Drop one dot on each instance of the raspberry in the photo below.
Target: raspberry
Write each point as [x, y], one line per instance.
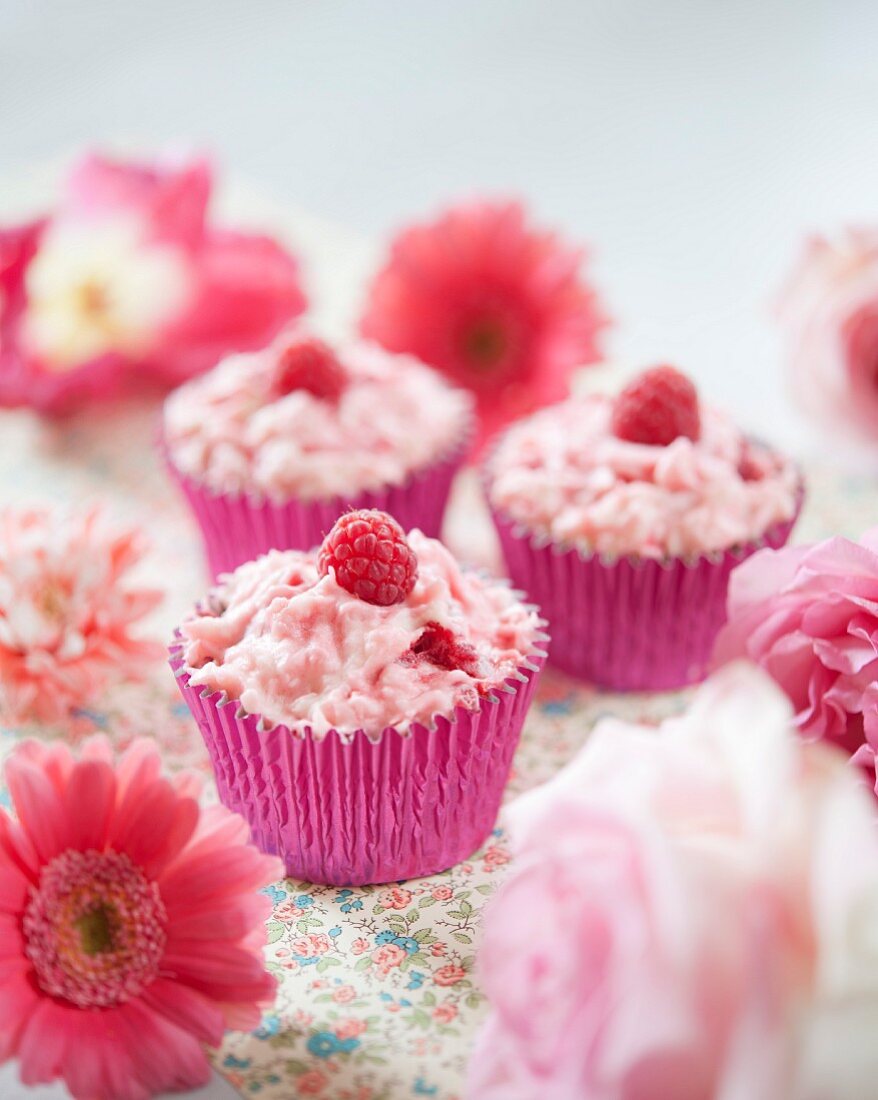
[370, 556]
[657, 407]
[311, 365]
[443, 648]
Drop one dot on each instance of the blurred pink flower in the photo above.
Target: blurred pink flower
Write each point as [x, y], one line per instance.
[344, 993]
[125, 286]
[498, 306]
[710, 888]
[829, 310]
[349, 1029]
[311, 1083]
[131, 923]
[809, 616]
[310, 946]
[66, 610]
[359, 945]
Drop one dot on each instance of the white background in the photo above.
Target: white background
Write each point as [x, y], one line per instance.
[691, 143]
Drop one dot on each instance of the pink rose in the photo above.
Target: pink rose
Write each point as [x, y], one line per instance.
[395, 898]
[830, 312]
[438, 949]
[442, 893]
[809, 616]
[349, 1029]
[344, 993]
[309, 946]
[387, 957]
[708, 883]
[449, 975]
[359, 946]
[444, 1014]
[127, 285]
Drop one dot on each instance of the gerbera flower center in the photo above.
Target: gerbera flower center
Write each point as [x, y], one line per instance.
[94, 929]
[489, 342]
[485, 342]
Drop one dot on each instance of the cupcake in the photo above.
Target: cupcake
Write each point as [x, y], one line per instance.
[270, 448]
[623, 518]
[361, 703]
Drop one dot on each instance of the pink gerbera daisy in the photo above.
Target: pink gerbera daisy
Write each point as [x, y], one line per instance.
[66, 610]
[131, 925]
[496, 305]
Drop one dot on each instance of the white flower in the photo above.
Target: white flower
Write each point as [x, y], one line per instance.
[98, 289]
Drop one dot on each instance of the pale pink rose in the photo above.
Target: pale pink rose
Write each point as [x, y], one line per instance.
[809, 616]
[442, 893]
[313, 944]
[387, 957]
[344, 993]
[710, 891]
[449, 975]
[126, 286]
[359, 946]
[349, 1029]
[67, 609]
[397, 897]
[311, 1083]
[444, 1014]
[830, 313]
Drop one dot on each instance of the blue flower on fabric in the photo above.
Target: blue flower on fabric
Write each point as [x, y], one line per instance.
[269, 1026]
[231, 1062]
[385, 937]
[334, 932]
[323, 1044]
[304, 901]
[275, 893]
[416, 980]
[421, 1088]
[407, 943]
[350, 906]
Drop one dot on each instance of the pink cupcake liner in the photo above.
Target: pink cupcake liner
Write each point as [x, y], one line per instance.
[627, 624]
[238, 527]
[347, 810]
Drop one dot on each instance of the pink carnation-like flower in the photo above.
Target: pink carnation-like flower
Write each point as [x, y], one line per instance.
[809, 616]
[498, 306]
[125, 286]
[829, 310]
[66, 610]
[350, 1028]
[386, 957]
[131, 927]
[710, 889]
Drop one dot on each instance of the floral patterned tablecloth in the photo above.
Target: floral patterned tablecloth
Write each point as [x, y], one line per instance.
[378, 995]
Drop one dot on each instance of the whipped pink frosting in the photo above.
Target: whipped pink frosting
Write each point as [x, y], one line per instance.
[563, 474]
[395, 417]
[299, 650]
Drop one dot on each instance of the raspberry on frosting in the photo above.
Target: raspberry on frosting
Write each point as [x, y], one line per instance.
[658, 407]
[293, 646]
[368, 552]
[444, 649]
[309, 364]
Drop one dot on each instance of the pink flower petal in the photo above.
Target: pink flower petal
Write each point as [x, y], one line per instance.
[186, 1009]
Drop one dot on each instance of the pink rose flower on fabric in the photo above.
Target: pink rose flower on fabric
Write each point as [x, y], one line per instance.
[829, 310]
[131, 923]
[126, 286]
[67, 609]
[386, 957]
[712, 891]
[397, 897]
[809, 616]
[500, 307]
